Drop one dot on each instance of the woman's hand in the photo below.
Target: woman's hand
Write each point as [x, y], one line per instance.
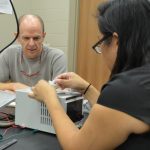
[71, 80]
[42, 90]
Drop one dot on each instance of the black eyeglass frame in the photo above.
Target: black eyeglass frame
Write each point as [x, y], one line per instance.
[99, 43]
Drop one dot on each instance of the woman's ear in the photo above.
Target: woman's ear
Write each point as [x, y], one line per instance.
[115, 38]
[115, 42]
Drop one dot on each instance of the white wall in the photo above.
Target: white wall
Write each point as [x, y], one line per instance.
[60, 26]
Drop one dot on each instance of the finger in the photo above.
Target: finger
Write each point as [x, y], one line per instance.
[31, 94]
[62, 76]
[33, 88]
[63, 83]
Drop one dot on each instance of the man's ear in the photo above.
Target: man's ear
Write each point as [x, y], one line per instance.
[44, 34]
[15, 33]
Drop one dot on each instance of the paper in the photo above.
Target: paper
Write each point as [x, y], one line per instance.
[6, 97]
[5, 7]
[53, 84]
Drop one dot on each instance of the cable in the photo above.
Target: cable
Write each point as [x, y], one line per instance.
[4, 116]
[16, 18]
[6, 119]
[6, 123]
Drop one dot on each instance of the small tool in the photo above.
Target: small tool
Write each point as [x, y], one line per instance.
[6, 145]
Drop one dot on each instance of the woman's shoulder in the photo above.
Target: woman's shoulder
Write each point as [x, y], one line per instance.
[130, 84]
[138, 76]
[129, 92]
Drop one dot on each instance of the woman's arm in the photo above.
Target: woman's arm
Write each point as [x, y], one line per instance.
[92, 95]
[104, 128]
[74, 81]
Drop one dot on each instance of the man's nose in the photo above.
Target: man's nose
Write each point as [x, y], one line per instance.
[31, 41]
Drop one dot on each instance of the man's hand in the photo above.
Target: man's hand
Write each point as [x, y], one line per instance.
[17, 86]
[12, 86]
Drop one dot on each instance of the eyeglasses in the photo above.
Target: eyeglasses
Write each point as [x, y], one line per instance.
[97, 47]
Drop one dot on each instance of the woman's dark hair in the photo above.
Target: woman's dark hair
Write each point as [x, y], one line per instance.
[130, 19]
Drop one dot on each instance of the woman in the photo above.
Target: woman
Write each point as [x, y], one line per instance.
[120, 115]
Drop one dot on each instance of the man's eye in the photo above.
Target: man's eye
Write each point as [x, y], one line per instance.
[25, 38]
[37, 38]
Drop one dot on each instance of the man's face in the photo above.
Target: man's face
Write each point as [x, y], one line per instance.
[31, 38]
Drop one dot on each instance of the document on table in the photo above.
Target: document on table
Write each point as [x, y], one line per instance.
[6, 97]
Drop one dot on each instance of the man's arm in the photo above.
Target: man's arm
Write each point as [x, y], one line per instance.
[6, 60]
[12, 86]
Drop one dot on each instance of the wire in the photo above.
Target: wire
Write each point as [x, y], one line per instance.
[4, 116]
[6, 120]
[16, 18]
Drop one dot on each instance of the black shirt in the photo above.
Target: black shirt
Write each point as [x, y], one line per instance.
[129, 92]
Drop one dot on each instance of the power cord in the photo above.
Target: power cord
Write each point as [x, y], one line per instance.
[6, 120]
[6, 123]
[17, 27]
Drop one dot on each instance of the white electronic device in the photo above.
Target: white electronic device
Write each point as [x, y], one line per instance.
[34, 114]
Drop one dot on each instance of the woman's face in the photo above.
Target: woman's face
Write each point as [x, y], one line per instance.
[109, 50]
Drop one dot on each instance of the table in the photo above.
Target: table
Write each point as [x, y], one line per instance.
[27, 140]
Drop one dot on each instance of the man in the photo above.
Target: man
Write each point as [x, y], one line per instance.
[27, 63]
